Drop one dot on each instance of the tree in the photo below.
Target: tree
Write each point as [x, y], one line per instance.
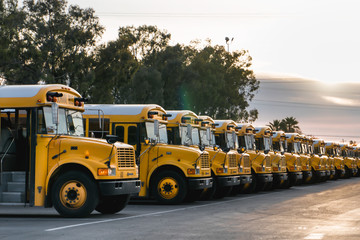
[288, 124]
[219, 84]
[275, 125]
[54, 45]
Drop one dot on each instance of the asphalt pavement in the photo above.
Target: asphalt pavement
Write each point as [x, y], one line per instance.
[328, 210]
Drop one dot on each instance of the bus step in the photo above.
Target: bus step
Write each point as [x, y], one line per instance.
[13, 197]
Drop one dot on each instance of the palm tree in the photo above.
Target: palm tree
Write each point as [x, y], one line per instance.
[275, 125]
[290, 124]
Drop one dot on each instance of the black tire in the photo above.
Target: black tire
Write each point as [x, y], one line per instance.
[285, 184]
[348, 172]
[269, 186]
[112, 204]
[193, 195]
[253, 185]
[222, 192]
[74, 194]
[169, 187]
[208, 194]
[315, 177]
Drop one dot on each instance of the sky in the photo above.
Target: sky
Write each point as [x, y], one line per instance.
[305, 52]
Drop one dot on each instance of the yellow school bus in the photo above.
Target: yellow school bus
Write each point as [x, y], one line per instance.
[357, 158]
[332, 150]
[293, 159]
[317, 163]
[47, 161]
[305, 159]
[319, 149]
[349, 160]
[260, 162]
[278, 146]
[264, 143]
[169, 173]
[224, 170]
[242, 158]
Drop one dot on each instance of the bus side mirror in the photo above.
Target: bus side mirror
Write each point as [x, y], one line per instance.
[266, 151]
[55, 113]
[226, 150]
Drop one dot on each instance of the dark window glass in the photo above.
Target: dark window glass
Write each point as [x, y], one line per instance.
[132, 135]
[95, 128]
[119, 131]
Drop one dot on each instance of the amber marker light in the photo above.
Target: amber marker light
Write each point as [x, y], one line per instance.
[87, 154]
[191, 171]
[106, 172]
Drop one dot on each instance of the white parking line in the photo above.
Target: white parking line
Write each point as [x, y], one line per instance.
[315, 236]
[150, 214]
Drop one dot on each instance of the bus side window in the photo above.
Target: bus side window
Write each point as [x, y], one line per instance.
[132, 140]
[41, 122]
[120, 132]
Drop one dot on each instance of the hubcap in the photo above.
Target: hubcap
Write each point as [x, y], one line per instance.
[73, 194]
[168, 188]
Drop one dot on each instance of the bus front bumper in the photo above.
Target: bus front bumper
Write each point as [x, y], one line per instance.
[296, 175]
[265, 178]
[321, 173]
[112, 188]
[227, 181]
[244, 179]
[200, 183]
[278, 177]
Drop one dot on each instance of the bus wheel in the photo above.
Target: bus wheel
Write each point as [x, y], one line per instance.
[169, 188]
[112, 204]
[74, 194]
[253, 185]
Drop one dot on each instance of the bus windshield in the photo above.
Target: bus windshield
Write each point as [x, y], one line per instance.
[230, 140]
[297, 148]
[195, 136]
[205, 139]
[70, 122]
[249, 141]
[185, 136]
[267, 143]
[151, 133]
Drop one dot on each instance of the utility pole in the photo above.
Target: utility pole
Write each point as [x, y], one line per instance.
[228, 42]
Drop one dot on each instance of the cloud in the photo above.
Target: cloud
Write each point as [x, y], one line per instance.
[342, 101]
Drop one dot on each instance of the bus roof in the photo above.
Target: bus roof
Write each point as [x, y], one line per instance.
[125, 112]
[245, 128]
[21, 96]
[262, 130]
[176, 115]
[223, 124]
[276, 135]
[207, 118]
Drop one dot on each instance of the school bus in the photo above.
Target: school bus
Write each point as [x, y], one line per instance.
[293, 159]
[224, 172]
[317, 163]
[332, 150]
[349, 161]
[242, 158]
[47, 161]
[319, 149]
[169, 173]
[305, 159]
[261, 171]
[263, 142]
[357, 157]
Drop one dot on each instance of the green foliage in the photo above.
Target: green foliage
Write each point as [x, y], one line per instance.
[45, 41]
[288, 124]
[53, 44]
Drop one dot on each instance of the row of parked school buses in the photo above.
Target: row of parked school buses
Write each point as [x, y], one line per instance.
[52, 154]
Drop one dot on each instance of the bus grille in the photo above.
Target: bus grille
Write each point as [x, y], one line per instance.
[204, 160]
[267, 161]
[126, 157]
[232, 160]
[246, 161]
[298, 161]
[282, 162]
